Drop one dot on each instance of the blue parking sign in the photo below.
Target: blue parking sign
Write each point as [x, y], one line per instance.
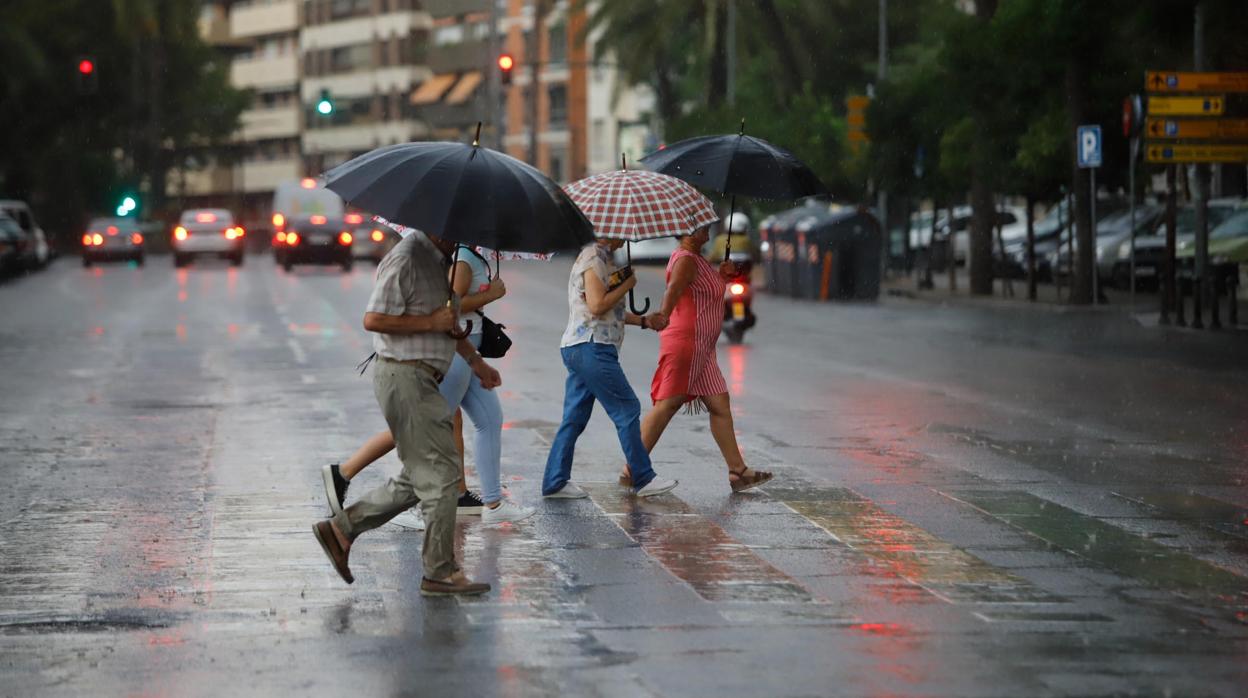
[1088, 145]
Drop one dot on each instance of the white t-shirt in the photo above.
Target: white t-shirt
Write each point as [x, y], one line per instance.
[583, 326]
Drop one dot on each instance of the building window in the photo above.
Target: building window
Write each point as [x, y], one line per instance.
[558, 160]
[347, 59]
[558, 96]
[449, 35]
[558, 44]
[343, 9]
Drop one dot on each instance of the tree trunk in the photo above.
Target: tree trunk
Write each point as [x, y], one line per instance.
[533, 57]
[1031, 248]
[773, 26]
[1084, 260]
[716, 53]
[983, 208]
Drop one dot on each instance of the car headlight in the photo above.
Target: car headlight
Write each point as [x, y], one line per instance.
[1220, 259]
[1124, 250]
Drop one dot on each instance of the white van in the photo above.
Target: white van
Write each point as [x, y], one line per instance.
[301, 198]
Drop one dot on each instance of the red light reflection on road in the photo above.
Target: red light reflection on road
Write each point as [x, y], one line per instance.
[181, 332]
[737, 356]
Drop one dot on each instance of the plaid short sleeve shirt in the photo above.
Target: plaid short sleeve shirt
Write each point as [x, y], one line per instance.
[411, 280]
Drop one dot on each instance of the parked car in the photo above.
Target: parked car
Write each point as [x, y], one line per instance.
[1113, 244]
[37, 253]
[1150, 251]
[11, 241]
[207, 232]
[317, 239]
[112, 239]
[1228, 242]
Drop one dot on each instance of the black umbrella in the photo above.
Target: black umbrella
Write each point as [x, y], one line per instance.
[466, 193]
[737, 164]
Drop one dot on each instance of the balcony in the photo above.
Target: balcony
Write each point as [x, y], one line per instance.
[258, 124]
[445, 8]
[210, 181]
[361, 137]
[258, 20]
[281, 71]
[265, 176]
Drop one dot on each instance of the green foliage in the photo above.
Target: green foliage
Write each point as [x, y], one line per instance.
[161, 93]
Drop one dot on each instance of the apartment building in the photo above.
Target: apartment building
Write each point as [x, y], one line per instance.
[405, 70]
[369, 56]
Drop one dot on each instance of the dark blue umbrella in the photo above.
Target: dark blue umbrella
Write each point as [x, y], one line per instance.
[737, 164]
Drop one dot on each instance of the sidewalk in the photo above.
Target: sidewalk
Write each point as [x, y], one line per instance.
[1146, 309]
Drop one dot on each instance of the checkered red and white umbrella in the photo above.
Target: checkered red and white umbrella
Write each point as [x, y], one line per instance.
[638, 205]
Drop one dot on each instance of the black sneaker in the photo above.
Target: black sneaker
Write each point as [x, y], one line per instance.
[470, 504]
[335, 487]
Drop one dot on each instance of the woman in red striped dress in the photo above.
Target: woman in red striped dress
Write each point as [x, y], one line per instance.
[688, 373]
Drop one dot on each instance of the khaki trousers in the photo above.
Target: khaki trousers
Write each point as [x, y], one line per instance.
[421, 424]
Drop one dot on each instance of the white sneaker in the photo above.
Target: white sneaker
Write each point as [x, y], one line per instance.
[505, 511]
[657, 486]
[411, 519]
[569, 491]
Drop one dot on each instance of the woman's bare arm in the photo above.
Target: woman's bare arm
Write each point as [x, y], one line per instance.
[470, 302]
[683, 274]
[598, 299]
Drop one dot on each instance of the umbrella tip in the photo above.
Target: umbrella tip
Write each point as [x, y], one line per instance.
[623, 161]
[476, 140]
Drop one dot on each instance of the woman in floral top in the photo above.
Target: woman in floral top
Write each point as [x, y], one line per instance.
[590, 349]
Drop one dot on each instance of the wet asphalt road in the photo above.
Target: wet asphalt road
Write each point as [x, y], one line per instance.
[968, 502]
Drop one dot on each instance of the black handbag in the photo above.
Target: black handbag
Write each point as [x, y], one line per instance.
[494, 341]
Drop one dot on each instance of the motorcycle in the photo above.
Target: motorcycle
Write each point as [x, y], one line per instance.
[739, 299]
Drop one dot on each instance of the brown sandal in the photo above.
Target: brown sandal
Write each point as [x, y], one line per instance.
[744, 482]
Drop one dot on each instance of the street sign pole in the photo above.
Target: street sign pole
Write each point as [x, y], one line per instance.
[1089, 147]
[1095, 270]
[1135, 147]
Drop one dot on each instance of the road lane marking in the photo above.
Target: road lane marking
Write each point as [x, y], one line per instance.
[1195, 509]
[1090, 538]
[301, 356]
[694, 549]
[906, 550]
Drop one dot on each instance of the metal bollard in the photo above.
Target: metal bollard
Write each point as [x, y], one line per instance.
[1180, 303]
[1198, 314]
[1232, 296]
[1215, 321]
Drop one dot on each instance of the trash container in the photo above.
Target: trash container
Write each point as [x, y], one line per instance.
[779, 251]
[843, 256]
[811, 248]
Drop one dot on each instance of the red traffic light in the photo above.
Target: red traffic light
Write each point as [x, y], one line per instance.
[86, 66]
[506, 62]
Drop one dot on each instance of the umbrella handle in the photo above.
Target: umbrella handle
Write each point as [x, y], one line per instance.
[632, 304]
[461, 334]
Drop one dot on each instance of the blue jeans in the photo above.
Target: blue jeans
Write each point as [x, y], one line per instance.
[461, 388]
[594, 373]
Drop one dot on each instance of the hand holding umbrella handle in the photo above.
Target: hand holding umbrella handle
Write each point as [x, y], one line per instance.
[461, 334]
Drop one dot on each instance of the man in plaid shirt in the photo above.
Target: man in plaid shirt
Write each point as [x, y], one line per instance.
[411, 319]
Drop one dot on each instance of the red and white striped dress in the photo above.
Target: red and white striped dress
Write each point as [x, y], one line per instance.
[687, 363]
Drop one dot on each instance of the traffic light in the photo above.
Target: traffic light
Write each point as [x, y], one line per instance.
[505, 64]
[88, 83]
[128, 205]
[325, 105]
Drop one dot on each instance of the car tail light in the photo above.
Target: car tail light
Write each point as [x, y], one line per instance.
[378, 236]
[318, 220]
[238, 230]
[279, 221]
[180, 233]
[112, 230]
[737, 289]
[136, 238]
[97, 239]
[292, 238]
[231, 233]
[281, 237]
[86, 239]
[345, 238]
[307, 183]
[205, 217]
[354, 218]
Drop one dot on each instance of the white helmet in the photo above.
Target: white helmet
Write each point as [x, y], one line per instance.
[738, 223]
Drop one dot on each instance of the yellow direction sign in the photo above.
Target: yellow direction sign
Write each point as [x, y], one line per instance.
[1186, 106]
[1226, 129]
[1197, 153]
[1162, 81]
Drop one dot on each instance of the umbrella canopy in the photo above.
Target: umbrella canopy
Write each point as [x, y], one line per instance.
[638, 205]
[737, 164]
[464, 193]
[508, 255]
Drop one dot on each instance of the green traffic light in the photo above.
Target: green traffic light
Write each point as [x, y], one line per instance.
[325, 107]
[127, 206]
